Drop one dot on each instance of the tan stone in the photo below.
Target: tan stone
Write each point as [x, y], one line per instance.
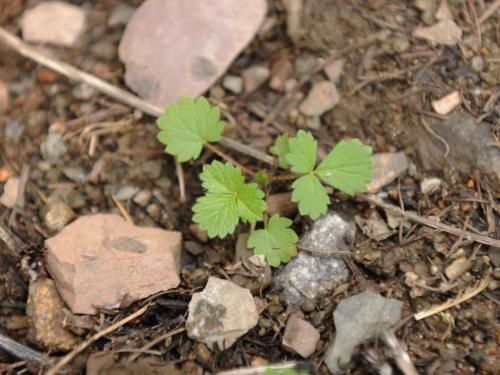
[447, 103]
[102, 261]
[45, 309]
[386, 168]
[10, 191]
[300, 336]
[54, 22]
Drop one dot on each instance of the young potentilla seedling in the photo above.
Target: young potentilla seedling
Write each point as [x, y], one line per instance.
[189, 125]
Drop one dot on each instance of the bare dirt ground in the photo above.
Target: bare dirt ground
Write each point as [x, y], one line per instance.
[386, 87]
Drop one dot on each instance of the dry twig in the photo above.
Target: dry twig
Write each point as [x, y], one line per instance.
[19, 350]
[467, 294]
[82, 346]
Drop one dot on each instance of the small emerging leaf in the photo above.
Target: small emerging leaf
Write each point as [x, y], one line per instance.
[277, 242]
[281, 150]
[311, 196]
[261, 177]
[286, 371]
[186, 125]
[348, 167]
[228, 199]
[302, 155]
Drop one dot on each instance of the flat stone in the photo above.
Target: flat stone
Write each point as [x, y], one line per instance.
[102, 261]
[469, 145]
[45, 309]
[300, 336]
[10, 191]
[444, 32]
[176, 48]
[447, 103]
[358, 319]
[311, 275]
[53, 22]
[220, 314]
[322, 97]
[387, 167]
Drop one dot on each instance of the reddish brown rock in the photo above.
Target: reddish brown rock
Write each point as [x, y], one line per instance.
[102, 261]
[300, 336]
[45, 309]
[180, 48]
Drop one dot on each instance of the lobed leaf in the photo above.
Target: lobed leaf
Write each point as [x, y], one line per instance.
[227, 200]
[277, 242]
[348, 167]
[310, 195]
[302, 155]
[187, 125]
[281, 150]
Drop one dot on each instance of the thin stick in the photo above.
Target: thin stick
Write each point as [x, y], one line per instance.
[438, 137]
[431, 223]
[122, 209]
[81, 347]
[229, 159]
[19, 350]
[489, 11]
[156, 341]
[400, 355]
[180, 178]
[468, 294]
[115, 92]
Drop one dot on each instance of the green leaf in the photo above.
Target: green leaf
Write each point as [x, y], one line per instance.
[302, 155]
[261, 177]
[311, 196]
[187, 125]
[277, 242]
[281, 149]
[348, 167]
[227, 200]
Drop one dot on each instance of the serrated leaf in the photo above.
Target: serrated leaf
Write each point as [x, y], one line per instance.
[281, 150]
[187, 125]
[227, 200]
[216, 213]
[348, 167]
[277, 242]
[310, 195]
[302, 155]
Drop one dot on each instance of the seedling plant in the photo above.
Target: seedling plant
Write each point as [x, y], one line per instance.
[190, 125]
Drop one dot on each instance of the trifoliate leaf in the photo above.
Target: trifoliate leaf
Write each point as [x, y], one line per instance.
[276, 242]
[228, 199]
[281, 149]
[186, 125]
[311, 196]
[302, 155]
[348, 167]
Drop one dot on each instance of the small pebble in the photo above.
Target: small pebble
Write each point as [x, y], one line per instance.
[255, 76]
[83, 91]
[193, 248]
[53, 149]
[477, 63]
[430, 185]
[233, 84]
[10, 191]
[56, 214]
[142, 198]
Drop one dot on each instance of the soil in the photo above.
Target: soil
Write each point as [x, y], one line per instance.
[385, 88]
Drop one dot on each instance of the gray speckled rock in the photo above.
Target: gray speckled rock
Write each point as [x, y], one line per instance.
[310, 275]
[221, 313]
[357, 319]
